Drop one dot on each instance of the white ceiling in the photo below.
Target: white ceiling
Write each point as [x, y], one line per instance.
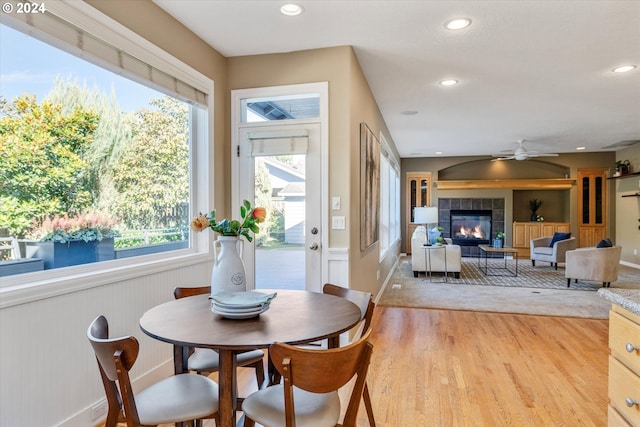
[538, 70]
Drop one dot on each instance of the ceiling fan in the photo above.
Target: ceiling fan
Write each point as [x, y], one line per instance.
[522, 153]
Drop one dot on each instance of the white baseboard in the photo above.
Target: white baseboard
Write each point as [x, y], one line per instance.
[630, 264]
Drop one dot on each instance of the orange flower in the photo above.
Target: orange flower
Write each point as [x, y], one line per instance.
[200, 222]
[259, 214]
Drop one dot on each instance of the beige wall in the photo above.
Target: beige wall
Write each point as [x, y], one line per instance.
[350, 102]
[366, 271]
[627, 214]
[311, 66]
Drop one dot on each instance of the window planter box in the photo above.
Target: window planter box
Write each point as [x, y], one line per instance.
[56, 255]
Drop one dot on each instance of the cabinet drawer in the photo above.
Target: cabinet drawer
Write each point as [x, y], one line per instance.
[622, 332]
[624, 384]
[615, 419]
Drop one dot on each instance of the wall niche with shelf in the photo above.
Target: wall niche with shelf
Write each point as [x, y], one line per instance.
[555, 205]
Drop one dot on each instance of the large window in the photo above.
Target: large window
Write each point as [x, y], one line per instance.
[98, 158]
[389, 199]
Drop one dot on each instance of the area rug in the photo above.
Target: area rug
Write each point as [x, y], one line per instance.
[542, 276]
[520, 295]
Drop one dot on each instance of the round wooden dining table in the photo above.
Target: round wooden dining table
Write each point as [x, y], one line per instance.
[294, 317]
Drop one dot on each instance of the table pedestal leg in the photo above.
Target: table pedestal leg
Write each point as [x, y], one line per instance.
[180, 366]
[227, 388]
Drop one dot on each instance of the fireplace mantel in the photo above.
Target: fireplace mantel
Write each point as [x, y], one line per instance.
[513, 184]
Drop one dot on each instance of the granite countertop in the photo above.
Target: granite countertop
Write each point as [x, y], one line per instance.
[626, 298]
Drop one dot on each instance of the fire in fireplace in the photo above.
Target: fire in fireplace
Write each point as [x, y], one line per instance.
[470, 227]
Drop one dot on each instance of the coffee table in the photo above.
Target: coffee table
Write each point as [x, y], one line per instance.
[493, 268]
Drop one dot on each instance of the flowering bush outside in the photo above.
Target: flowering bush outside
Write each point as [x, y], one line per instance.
[88, 226]
[251, 217]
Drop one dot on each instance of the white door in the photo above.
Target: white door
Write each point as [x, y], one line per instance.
[279, 167]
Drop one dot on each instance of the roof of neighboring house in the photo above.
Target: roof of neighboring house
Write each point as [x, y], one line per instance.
[293, 189]
[283, 170]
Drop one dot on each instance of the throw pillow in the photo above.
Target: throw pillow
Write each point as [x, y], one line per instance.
[604, 243]
[559, 236]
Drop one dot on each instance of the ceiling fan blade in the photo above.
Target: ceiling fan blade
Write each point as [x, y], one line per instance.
[546, 155]
[503, 158]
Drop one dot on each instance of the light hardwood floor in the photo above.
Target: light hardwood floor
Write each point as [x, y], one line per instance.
[462, 368]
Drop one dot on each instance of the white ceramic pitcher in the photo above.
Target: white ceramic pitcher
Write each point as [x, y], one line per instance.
[228, 269]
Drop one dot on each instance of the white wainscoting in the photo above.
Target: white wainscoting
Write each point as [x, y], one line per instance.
[49, 372]
[338, 266]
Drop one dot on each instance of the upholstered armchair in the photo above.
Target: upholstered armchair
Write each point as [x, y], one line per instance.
[420, 260]
[542, 250]
[593, 264]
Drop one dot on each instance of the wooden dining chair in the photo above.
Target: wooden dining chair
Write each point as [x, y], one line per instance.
[205, 360]
[308, 396]
[179, 398]
[364, 301]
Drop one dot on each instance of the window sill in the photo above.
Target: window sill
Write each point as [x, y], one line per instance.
[30, 287]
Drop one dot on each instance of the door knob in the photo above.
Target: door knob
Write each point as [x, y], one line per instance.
[314, 230]
[313, 246]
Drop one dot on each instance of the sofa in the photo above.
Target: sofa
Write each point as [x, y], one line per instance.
[593, 264]
[420, 258]
[546, 249]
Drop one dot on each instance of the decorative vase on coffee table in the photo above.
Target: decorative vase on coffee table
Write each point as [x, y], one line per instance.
[228, 269]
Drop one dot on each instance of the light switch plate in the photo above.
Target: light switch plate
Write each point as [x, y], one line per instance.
[335, 203]
[338, 223]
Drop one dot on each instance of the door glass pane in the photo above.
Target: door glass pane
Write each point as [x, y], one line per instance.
[288, 107]
[280, 251]
[424, 190]
[585, 200]
[413, 196]
[598, 199]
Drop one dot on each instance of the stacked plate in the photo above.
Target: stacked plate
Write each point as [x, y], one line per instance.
[240, 305]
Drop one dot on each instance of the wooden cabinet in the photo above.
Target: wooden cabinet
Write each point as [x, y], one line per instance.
[592, 206]
[524, 232]
[624, 367]
[418, 190]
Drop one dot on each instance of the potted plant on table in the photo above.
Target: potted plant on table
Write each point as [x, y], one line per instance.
[498, 242]
[228, 269]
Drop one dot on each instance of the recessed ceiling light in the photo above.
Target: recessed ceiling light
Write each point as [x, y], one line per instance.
[291, 9]
[581, 148]
[409, 113]
[438, 153]
[458, 23]
[624, 68]
[448, 82]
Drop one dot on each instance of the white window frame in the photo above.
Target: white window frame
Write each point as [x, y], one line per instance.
[27, 287]
[389, 198]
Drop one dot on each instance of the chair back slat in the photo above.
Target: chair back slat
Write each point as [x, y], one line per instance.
[364, 301]
[182, 292]
[115, 357]
[309, 368]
